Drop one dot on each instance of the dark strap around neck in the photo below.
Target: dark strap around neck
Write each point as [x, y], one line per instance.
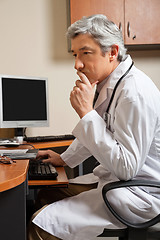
[117, 84]
[95, 97]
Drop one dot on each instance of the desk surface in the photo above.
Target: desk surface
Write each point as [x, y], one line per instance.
[51, 144]
[12, 175]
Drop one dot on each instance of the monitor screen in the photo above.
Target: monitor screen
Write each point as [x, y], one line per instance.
[23, 102]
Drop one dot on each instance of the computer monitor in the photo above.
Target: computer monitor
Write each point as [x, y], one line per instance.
[23, 102]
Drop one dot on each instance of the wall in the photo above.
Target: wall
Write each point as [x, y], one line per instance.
[33, 43]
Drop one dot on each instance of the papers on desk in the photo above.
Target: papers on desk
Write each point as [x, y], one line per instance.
[20, 153]
[9, 143]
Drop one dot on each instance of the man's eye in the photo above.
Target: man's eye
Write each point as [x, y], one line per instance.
[74, 55]
[86, 53]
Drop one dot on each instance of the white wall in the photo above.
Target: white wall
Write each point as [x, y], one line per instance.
[33, 43]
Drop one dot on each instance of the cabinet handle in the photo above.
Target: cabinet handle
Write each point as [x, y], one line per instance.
[128, 29]
[134, 37]
[120, 26]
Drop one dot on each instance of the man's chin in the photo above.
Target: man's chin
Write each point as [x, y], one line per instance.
[92, 81]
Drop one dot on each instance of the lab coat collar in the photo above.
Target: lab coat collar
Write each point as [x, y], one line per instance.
[111, 80]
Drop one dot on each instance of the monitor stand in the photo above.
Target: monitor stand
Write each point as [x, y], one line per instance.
[19, 134]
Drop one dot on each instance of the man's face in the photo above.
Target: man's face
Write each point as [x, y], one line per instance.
[89, 58]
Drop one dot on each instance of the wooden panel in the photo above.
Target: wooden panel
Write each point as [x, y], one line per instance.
[143, 17]
[113, 9]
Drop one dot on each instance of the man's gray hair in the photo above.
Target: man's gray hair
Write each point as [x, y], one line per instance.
[103, 31]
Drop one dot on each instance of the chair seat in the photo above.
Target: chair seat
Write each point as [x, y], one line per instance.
[133, 234]
[154, 232]
[114, 233]
[133, 231]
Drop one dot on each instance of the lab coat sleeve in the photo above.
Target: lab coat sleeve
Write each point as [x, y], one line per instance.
[121, 151]
[75, 154]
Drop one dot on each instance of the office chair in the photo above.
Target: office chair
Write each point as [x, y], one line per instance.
[141, 231]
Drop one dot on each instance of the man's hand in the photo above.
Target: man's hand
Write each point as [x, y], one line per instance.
[50, 156]
[82, 95]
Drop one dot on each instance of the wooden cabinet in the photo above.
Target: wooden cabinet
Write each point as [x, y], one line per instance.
[142, 21]
[139, 20]
[113, 9]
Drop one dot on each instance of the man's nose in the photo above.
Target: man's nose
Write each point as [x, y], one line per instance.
[78, 64]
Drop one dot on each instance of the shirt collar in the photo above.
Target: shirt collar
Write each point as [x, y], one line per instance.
[119, 71]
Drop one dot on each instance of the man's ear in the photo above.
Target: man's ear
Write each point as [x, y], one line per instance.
[114, 52]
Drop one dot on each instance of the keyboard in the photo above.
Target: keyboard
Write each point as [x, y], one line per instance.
[49, 138]
[41, 171]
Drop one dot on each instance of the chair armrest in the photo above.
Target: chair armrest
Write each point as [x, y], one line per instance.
[130, 183]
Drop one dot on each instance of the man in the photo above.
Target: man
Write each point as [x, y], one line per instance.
[122, 132]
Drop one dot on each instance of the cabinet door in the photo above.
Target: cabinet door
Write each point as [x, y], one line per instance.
[142, 22]
[113, 9]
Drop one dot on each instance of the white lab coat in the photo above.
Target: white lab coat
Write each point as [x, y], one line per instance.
[127, 147]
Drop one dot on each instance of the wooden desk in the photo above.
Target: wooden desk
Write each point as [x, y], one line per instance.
[9, 177]
[51, 144]
[13, 200]
[13, 197]
[12, 175]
